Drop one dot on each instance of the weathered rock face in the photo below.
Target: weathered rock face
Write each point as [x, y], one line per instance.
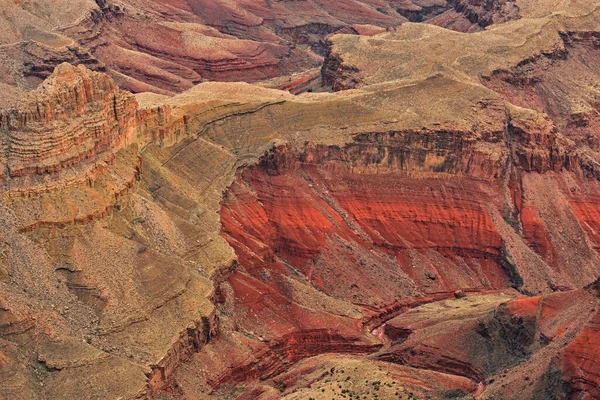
[75, 116]
[72, 134]
[434, 229]
[371, 204]
[483, 343]
[577, 362]
[372, 224]
[170, 47]
[78, 294]
[461, 15]
[413, 211]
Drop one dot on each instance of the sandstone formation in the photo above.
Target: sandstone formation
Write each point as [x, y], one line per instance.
[168, 47]
[429, 228]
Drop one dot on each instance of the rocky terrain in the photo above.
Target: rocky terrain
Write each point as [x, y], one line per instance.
[169, 46]
[408, 208]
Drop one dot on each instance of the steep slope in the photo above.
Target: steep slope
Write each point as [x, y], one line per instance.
[433, 229]
[168, 47]
[342, 216]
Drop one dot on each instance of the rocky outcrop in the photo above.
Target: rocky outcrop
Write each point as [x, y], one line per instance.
[492, 341]
[75, 118]
[487, 12]
[337, 76]
[442, 215]
[168, 48]
[189, 343]
[40, 61]
[536, 143]
[74, 133]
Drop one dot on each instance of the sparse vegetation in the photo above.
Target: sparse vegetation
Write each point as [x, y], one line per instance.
[280, 385]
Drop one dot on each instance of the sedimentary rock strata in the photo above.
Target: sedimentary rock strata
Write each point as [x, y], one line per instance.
[169, 47]
[428, 228]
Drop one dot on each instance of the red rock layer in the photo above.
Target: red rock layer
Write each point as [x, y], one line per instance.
[483, 337]
[394, 216]
[324, 219]
[579, 362]
[168, 47]
[273, 328]
[319, 216]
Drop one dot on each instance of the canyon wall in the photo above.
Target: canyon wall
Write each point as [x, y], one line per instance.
[170, 47]
[436, 221]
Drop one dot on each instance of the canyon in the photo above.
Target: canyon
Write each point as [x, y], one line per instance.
[300, 199]
[169, 46]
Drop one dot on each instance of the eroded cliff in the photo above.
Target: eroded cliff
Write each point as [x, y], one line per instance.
[168, 47]
[430, 232]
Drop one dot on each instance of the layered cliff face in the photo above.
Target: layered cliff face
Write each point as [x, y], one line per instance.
[104, 306]
[472, 16]
[487, 206]
[429, 233]
[169, 47]
[74, 116]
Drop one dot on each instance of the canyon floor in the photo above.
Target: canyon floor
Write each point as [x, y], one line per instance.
[252, 199]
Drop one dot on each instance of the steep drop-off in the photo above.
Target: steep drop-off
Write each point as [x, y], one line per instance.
[430, 232]
[168, 47]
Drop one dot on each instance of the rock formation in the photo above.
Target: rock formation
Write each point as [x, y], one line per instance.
[168, 47]
[427, 228]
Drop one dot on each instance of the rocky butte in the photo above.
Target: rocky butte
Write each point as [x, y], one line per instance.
[417, 214]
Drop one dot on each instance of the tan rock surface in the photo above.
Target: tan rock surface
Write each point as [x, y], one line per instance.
[193, 244]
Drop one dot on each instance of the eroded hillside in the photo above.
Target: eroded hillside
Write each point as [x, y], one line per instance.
[170, 46]
[427, 228]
